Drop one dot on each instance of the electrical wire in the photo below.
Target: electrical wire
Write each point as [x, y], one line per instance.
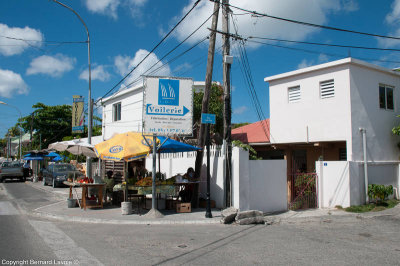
[328, 54]
[54, 42]
[248, 77]
[154, 48]
[309, 24]
[162, 66]
[325, 44]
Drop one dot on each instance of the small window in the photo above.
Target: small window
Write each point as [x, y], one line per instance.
[386, 98]
[294, 94]
[117, 111]
[327, 88]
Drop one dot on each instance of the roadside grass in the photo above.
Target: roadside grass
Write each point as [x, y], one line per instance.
[374, 207]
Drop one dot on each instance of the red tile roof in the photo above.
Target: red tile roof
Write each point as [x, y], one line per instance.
[257, 132]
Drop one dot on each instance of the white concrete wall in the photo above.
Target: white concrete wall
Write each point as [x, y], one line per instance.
[268, 185]
[311, 119]
[178, 163]
[365, 113]
[333, 183]
[342, 183]
[258, 185]
[131, 112]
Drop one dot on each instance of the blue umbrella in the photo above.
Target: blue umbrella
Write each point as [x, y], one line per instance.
[172, 146]
[57, 158]
[53, 154]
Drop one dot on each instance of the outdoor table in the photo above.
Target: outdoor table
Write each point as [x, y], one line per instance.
[142, 191]
[85, 188]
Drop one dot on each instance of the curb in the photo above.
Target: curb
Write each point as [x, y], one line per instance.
[112, 221]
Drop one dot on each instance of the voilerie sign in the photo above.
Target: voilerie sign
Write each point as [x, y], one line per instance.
[168, 106]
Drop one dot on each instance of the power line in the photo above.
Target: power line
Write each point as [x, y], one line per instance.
[246, 71]
[311, 24]
[155, 47]
[329, 54]
[54, 42]
[325, 44]
[162, 66]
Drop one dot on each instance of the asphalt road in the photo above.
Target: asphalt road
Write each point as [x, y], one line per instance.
[330, 240]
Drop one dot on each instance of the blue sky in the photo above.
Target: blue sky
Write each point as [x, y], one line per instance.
[122, 32]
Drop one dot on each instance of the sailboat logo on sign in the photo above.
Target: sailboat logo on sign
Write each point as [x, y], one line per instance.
[168, 92]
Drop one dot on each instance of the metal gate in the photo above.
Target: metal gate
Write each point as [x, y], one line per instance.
[304, 191]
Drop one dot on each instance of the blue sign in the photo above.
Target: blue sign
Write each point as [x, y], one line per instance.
[168, 92]
[207, 118]
[325, 164]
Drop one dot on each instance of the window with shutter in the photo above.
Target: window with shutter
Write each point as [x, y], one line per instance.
[294, 94]
[327, 88]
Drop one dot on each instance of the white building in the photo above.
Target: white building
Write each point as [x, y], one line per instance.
[316, 113]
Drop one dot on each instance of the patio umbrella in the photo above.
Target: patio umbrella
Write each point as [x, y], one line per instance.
[75, 147]
[52, 154]
[126, 146]
[172, 146]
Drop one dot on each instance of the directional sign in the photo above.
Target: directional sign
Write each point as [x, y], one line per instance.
[207, 118]
[167, 106]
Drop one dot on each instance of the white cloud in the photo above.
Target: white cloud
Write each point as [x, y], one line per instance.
[322, 58]
[110, 7]
[305, 63]
[104, 7]
[98, 73]
[10, 47]
[393, 19]
[183, 68]
[305, 10]
[124, 64]
[11, 83]
[239, 110]
[54, 66]
[350, 5]
[394, 15]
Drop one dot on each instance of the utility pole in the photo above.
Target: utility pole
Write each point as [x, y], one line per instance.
[206, 97]
[227, 60]
[31, 130]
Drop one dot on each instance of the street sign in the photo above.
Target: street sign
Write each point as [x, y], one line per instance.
[78, 116]
[167, 106]
[207, 118]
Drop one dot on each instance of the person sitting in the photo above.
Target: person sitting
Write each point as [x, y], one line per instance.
[189, 174]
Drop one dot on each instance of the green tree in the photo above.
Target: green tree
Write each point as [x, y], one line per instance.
[51, 123]
[216, 106]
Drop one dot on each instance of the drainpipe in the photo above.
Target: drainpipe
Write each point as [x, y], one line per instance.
[364, 136]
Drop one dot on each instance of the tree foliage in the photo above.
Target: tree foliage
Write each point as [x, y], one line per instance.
[51, 123]
[216, 106]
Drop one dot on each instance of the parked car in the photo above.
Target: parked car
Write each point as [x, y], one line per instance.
[11, 170]
[56, 174]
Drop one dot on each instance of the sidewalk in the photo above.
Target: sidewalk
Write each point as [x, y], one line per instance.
[112, 214]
